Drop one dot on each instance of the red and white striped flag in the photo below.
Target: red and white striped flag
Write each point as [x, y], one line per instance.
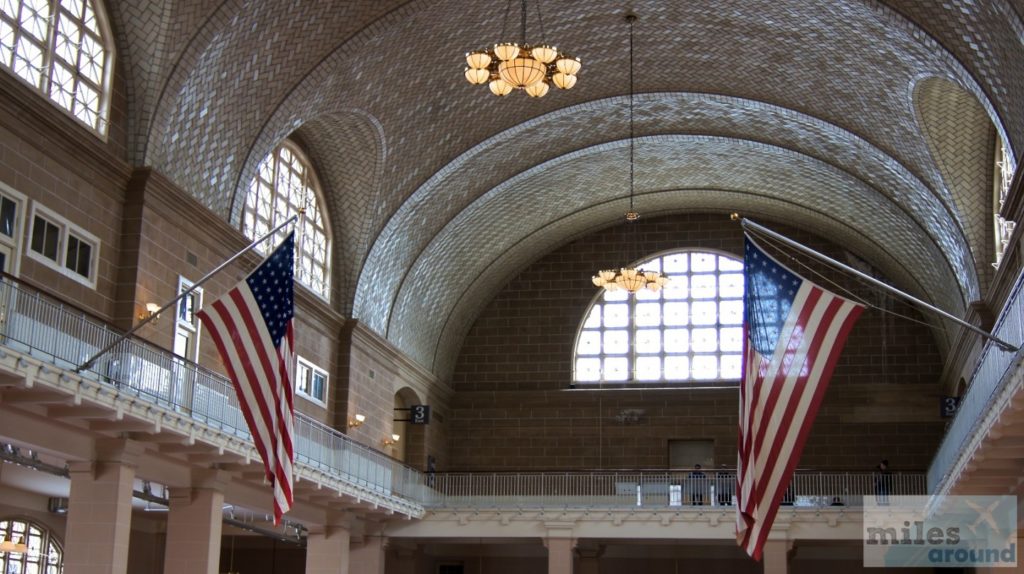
[252, 328]
[795, 331]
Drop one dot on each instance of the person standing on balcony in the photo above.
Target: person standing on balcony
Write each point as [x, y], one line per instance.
[697, 485]
[725, 486]
[883, 482]
[431, 469]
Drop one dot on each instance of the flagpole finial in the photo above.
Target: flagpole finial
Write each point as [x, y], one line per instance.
[734, 216]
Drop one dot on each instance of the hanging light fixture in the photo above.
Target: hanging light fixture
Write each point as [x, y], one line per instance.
[631, 279]
[12, 547]
[519, 66]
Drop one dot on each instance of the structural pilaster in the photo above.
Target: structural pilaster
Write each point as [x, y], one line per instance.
[327, 546]
[194, 524]
[100, 509]
[560, 544]
[775, 556]
[367, 556]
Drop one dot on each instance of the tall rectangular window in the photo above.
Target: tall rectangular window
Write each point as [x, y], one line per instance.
[311, 382]
[61, 245]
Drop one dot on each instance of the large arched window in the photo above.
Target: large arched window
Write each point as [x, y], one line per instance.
[284, 183]
[1004, 176]
[690, 331]
[45, 554]
[63, 49]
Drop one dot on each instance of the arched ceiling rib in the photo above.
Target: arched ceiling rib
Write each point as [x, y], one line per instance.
[446, 195]
[695, 169]
[962, 141]
[808, 89]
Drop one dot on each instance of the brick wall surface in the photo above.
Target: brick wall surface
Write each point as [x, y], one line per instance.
[513, 408]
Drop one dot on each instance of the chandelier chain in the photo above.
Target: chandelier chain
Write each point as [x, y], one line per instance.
[522, 26]
[504, 22]
[631, 19]
[540, 24]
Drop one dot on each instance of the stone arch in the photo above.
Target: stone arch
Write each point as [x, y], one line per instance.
[961, 138]
[411, 448]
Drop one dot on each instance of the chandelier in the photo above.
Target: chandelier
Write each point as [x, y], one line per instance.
[631, 279]
[520, 66]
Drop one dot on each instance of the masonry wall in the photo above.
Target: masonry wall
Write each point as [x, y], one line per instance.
[151, 233]
[513, 407]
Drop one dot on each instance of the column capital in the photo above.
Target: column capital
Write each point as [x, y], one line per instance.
[559, 530]
[332, 521]
[118, 450]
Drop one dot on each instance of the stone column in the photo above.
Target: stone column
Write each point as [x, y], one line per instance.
[194, 524]
[367, 556]
[327, 546]
[100, 509]
[775, 556]
[560, 542]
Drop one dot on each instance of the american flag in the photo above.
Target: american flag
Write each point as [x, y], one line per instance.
[795, 331]
[252, 328]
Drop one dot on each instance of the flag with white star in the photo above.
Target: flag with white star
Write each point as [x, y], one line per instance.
[795, 331]
[251, 326]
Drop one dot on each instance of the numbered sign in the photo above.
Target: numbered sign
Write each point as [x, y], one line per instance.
[419, 414]
[948, 406]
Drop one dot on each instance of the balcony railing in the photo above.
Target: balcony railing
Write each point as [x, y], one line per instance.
[988, 379]
[654, 489]
[42, 326]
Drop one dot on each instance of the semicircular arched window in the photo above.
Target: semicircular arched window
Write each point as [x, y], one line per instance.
[45, 554]
[284, 183]
[691, 331]
[62, 48]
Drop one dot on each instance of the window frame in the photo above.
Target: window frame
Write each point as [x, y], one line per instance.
[631, 328]
[192, 328]
[47, 539]
[314, 220]
[48, 47]
[65, 229]
[302, 364]
[11, 245]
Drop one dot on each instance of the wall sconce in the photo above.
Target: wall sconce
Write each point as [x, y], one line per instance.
[151, 309]
[12, 547]
[388, 442]
[357, 420]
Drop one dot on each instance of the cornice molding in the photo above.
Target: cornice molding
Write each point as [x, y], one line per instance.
[168, 200]
[408, 370]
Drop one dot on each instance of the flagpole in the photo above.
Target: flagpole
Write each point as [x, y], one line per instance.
[748, 224]
[152, 317]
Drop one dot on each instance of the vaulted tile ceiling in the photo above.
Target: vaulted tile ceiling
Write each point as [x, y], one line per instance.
[872, 123]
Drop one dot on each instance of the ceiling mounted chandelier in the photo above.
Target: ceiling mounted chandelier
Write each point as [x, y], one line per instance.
[520, 66]
[631, 279]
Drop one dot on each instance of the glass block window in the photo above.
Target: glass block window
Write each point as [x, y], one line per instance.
[691, 331]
[285, 182]
[63, 49]
[45, 554]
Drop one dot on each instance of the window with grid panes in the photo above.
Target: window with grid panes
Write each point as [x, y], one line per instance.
[62, 49]
[284, 183]
[691, 331]
[45, 554]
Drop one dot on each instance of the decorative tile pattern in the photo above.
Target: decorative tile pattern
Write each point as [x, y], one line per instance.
[779, 99]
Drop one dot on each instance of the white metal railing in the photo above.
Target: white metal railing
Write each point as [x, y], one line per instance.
[653, 489]
[43, 327]
[986, 382]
